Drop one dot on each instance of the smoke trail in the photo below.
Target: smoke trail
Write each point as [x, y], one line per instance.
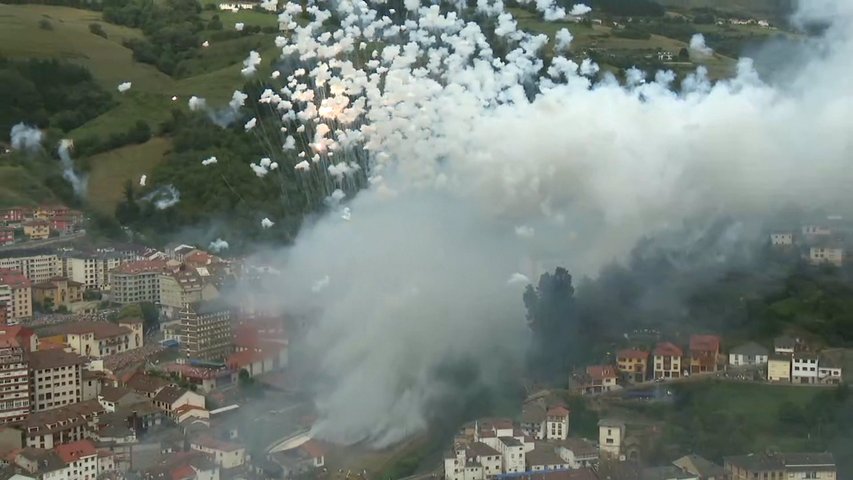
[77, 180]
[25, 137]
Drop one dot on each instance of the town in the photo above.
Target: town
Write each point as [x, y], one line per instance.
[125, 362]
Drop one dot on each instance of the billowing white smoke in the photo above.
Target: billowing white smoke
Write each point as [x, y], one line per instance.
[164, 197]
[25, 137]
[473, 183]
[579, 9]
[197, 103]
[77, 180]
[250, 64]
[563, 40]
[698, 46]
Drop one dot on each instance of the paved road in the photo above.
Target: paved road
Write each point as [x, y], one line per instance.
[43, 243]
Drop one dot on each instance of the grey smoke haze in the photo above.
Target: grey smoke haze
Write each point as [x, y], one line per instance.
[77, 180]
[420, 271]
[25, 137]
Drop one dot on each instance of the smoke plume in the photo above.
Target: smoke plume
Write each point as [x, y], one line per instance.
[77, 180]
[698, 46]
[25, 137]
[475, 184]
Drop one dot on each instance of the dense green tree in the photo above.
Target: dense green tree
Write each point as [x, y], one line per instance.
[552, 317]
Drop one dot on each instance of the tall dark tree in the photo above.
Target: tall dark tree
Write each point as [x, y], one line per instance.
[552, 316]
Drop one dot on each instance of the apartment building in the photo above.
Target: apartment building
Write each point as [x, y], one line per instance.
[16, 292]
[781, 466]
[92, 268]
[67, 424]
[55, 379]
[206, 330]
[100, 339]
[181, 287]
[138, 281]
[14, 382]
[38, 265]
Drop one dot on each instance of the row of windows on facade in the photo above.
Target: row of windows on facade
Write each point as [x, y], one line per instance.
[49, 395]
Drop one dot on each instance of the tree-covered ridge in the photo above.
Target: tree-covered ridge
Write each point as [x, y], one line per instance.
[171, 29]
[48, 94]
[225, 199]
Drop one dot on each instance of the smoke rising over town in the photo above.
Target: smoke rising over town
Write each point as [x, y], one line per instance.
[460, 166]
[421, 271]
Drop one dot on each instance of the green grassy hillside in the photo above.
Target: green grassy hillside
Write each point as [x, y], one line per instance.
[214, 73]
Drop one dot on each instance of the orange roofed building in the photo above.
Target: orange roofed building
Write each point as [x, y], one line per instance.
[704, 353]
[633, 364]
[667, 360]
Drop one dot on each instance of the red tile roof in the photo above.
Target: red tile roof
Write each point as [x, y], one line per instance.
[600, 372]
[99, 329]
[248, 357]
[667, 349]
[182, 472]
[705, 343]
[313, 448]
[14, 278]
[558, 411]
[632, 354]
[71, 452]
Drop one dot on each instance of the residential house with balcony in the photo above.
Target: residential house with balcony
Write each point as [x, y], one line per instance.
[704, 353]
[667, 360]
[804, 367]
[633, 364]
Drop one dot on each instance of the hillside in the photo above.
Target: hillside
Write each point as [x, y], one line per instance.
[135, 136]
[45, 31]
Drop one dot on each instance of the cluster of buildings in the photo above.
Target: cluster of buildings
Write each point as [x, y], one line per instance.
[665, 362]
[37, 223]
[71, 409]
[539, 446]
[819, 244]
[58, 279]
[790, 361]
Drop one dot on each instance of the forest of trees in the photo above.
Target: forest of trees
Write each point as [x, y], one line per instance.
[226, 197]
[171, 29]
[48, 94]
